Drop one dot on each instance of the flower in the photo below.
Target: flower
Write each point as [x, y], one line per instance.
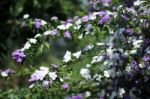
[105, 1]
[39, 74]
[26, 46]
[32, 40]
[67, 56]
[77, 54]
[79, 96]
[107, 74]
[85, 18]
[18, 55]
[52, 75]
[104, 19]
[64, 26]
[146, 58]
[54, 18]
[25, 16]
[67, 34]
[51, 32]
[65, 86]
[85, 73]
[37, 23]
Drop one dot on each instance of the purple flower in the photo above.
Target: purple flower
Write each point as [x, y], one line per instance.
[67, 34]
[37, 23]
[101, 13]
[18, 55]
[85, 18]
[69, 21]
[104, 19]
[79, 96]
[133, 63]
[65, 86]
[128, 31]
[146, 58]
[125, 17]
[105, 1]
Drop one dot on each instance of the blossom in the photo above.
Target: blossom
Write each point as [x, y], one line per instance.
[65, 86]
[51, 32]
[106, 1]
[77, 54]
[45, 83]
[85, 73]
[67, 34]
[88, 47]
[6, 72]
[85, 18]
[39, 74]
[25, 16]
[18, 55]
[104, 19]
[54, 18]
[64, 26]
[26, 46]
[107, 74]
[32, 40]
[79, 96]
[37, 23]
[87, 94]
[52, 75]
[146, 58]
[67, 56]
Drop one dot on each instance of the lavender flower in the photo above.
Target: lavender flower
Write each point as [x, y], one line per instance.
[65, 86]
[53, 32]
[37, 23]
[104, 19]
[105, 1]
[85, 18]
[79, 96]
[146, 58]
[67, 34]
[128, 31]
[18, 55]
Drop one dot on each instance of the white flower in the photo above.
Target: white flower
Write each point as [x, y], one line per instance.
[43, 22]
[67, 56]
[45, 83]
[138, 2]
[88, 47]
[53, 75]
[47, 32]
[64, 27]
[25, 16]
[32, 40]
[31, 86]
[39, 74]
[77, 54]
[107, 74]
[99, 44]
[92, 17]
[26, 46]
[37, 35]
[61, 27]
[121, 92]
[4, 74]
[87, 94]
[85, 73]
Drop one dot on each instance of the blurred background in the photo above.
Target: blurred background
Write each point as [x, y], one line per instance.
[13, 36]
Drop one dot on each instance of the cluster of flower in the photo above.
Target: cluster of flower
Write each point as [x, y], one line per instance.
[119, 63]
